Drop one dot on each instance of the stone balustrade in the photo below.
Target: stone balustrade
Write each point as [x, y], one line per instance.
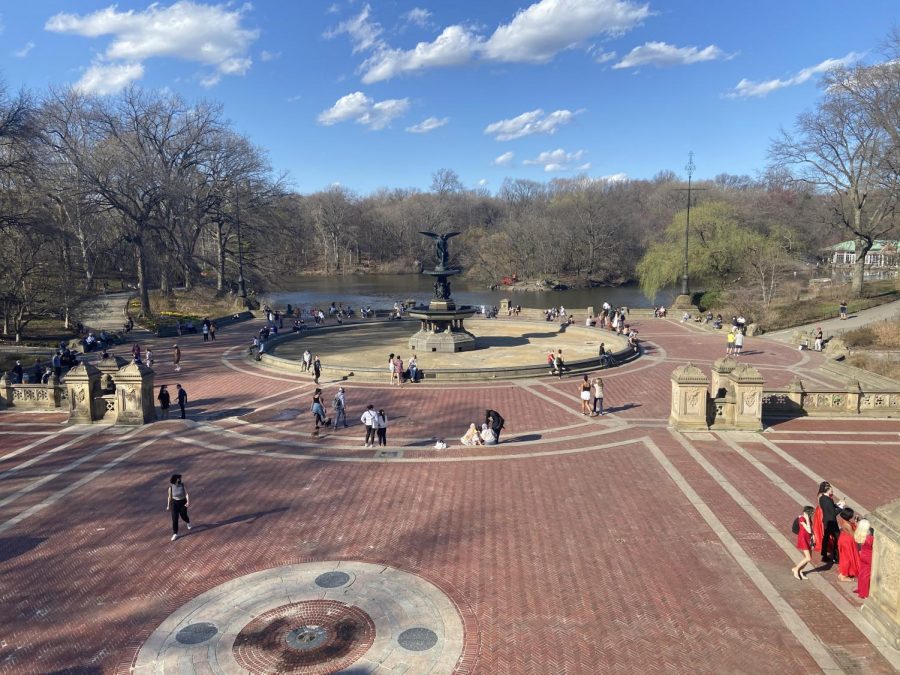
[50, 396]
[852, 400]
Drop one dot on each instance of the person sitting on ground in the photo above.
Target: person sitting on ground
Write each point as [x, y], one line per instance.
[471, 437]
[709, 317]
[685, 317]
[488, 437]
[717, 324]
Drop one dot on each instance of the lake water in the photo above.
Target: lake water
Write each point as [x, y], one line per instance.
[383, 290]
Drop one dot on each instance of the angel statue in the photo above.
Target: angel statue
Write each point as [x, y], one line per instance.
[440, 247]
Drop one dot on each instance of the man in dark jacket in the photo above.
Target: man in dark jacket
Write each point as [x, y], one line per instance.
[830, 512]
[495, 421]
[182, 398]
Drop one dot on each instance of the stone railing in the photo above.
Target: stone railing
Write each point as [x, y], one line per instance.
[50, 396]
[853, 400]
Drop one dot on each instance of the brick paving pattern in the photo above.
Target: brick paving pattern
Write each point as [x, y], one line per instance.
[578, 545]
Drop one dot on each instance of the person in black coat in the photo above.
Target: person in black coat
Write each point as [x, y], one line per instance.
[495, 421]
[182, 398]
[830, 511]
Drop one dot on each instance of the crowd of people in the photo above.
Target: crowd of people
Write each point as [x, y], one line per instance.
[841, 536]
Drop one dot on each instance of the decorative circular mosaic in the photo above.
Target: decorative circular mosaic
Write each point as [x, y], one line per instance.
[314, 636]
[332, 579]
[196, 633]
[311, 618]
[417, 639]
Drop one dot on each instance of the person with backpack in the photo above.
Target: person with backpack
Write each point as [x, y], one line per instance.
[339, 404]
[495, 421]
[803, 529]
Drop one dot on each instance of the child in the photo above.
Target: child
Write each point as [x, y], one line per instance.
[804, 541]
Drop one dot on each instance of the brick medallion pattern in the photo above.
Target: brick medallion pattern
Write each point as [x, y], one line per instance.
[312, 637]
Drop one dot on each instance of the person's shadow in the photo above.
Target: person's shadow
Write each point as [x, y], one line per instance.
[244, 518]
[622, 408]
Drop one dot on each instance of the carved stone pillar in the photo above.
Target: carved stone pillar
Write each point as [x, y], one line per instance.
[504, 306]
[5, 391]
[721, 375]
[134, 395]
[83, 384]
[690, 395]
[882, 607]
[748, 392]
[854, 394]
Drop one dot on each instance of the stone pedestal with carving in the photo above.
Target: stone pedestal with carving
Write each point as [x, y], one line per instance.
[690, 394]
[721, 375]
[504, 307]
[748, 391]
[5, 392]
[134, 395]
[83, 385]
[882, 607]
[108, 368]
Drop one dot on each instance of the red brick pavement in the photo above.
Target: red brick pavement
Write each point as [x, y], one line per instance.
[570, 550]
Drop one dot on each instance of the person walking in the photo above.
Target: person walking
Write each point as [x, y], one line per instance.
[391, 368]
[176, 357]
[212, 330]
[597, 386]
[177, 501]
[339, 405]
[148, 359]
[165, 401]
[494, 420]
[317, 368]
[182, 398]
[307, 361]
[585, 396]
[370, 420]
[398, 369]
[136, 352]
[381, 423]
[318, 411]
[804, 541]
[205, 330]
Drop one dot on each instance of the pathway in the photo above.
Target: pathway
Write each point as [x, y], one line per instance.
[832, 327]
[578, 545]
[105, 312]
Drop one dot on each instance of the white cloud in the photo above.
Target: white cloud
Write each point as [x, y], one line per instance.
[605, 57]
[748, 88]
[24, 51]
[418, 16]
[483, 182]
[558, 160]
[534, 35]
[453, 47]
[427, 125]
[109, 78]
[292, 99]
[538, 33]
[503, 159]
[661, 55]
[359, 108]
[364, 33]
[613, 178]
[334, 8]
[534, 122]
[211, 35]
[266, 55]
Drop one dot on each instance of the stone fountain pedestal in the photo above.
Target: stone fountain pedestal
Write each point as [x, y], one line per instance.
[442, 322]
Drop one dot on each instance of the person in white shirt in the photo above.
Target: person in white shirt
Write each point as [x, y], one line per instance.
[307, 360]
[370, 420]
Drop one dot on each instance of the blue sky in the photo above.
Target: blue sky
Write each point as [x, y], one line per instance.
[382, 94]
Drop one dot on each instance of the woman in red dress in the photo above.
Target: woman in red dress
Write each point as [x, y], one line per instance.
[848, 552]
[864, 536]
[804, 541]
[818, 523]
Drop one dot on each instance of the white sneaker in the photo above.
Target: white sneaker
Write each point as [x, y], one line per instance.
[174, 537]
[189, 526]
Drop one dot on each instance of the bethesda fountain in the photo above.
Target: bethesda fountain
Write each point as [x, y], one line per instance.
[442, 328]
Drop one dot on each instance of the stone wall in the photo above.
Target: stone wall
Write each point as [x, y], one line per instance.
[882, 607]
[850, 401]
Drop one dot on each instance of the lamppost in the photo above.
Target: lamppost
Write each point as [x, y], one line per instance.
[685, 298]
[242, 288]
[685, 290]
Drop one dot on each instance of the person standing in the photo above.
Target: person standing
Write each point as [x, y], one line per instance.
[585, 396]
[176, 357]
[339, 404]
[843, 309]
[212, 330]
[729, 343]
[182, 398]
[391, 368]
[149, 358]
[818, 339]
[738, 342]
[398, 369]
[370, 420]
[495, 421]
[381, 427]
[413, 369]
[205, 330]
[307, 361]
[831, 531]
[317, 368]
[57, 365]
[804, 541]
[136, 352]
[165, 401]
[177, 502]
[597, 386]
[848, 551]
